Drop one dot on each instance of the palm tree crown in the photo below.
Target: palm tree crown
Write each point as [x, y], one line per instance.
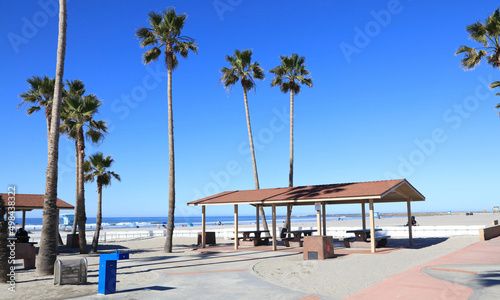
[78, 112]
[40, 94]
[96, 168]
[165, 32]
[486, 34]
[291, 74]
[242, 69]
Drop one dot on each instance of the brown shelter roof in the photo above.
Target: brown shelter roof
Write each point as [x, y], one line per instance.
[399, 190]
[33, 201]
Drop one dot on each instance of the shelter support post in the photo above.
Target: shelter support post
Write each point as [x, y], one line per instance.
[372, 227]
[324, 218]
[289, 216]
[257, 219]
[203, 228]
[24, 219]
[236, 227]
[363, 214]
[318, 220]
[410, 225]
[274, 227]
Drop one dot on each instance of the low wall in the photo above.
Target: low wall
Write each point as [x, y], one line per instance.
[489, 232]
[336, 232]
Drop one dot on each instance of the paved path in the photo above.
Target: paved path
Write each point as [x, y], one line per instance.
[470, 273]
[206, 275]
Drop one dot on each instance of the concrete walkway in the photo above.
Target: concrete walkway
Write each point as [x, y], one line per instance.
[204, 275]
[470, 273]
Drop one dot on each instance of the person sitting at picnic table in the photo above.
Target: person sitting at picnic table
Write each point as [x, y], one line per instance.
[413, 221]
[22, 236]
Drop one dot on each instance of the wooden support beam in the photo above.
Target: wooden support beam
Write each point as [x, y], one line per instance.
[289, 216]
[203, 227]
[24, 219]
[318, 221]
[257, 219]
[236, 227]
[410, 225]
[363, 214]
[372, 227]
[274, 227]
[324, 218]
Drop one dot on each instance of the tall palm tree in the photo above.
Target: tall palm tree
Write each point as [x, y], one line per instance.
[242, 69]
[289, 75]
[165, 32]
[39, 95]
[76, 88]
[96, 168]
[4, 251]
[48, 241]
[77, 116]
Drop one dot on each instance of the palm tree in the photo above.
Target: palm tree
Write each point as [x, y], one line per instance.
[78, 114]
[48, 241]
[76, 88]
[496, 84]
[4, 251]
[39, 95]
[96, 168]
[165, 32]
[487, 34]
[289, 76]
[242, 69]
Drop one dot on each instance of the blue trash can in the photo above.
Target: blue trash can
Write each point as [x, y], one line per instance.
[107, 272]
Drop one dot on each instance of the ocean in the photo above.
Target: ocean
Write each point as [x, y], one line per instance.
[153, 222]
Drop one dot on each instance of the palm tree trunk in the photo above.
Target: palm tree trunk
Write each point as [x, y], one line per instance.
[254, 162]
[82, 219]
[77, 171]
[290, 174]
[171, 187]
[48, 242]
[98, 222]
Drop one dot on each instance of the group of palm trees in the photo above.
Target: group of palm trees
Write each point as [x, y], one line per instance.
[77, 123]
[164, 36]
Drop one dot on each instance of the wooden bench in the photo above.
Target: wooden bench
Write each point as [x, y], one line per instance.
[381, 240]
[253, 241]
[348, 240]
[27, 252]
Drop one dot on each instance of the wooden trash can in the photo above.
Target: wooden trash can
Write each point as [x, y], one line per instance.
[318, 247]
[209, 238]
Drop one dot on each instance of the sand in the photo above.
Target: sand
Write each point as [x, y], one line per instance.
[335, 278]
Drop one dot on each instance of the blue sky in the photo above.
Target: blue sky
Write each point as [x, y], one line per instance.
[389, 101]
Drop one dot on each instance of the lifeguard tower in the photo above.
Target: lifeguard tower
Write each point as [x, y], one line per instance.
[67, 221]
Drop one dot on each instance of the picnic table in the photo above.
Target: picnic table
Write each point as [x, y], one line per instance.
[299, 234]
[256, 238]
[363, 235]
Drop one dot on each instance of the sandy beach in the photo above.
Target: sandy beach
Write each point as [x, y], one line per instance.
[337, 278]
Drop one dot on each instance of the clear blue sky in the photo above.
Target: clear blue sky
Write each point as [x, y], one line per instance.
[389, 101]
